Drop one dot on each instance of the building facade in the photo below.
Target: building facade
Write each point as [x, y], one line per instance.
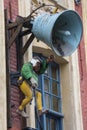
[64, 82]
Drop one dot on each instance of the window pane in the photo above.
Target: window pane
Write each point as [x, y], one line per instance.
[50, 124]
[46, 84]
[47, 124]
[53, 124]
[55, 104]
[55, 88]
[47, 101]
[54, 74]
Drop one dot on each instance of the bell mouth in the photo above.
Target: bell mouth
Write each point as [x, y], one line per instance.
[67, 33]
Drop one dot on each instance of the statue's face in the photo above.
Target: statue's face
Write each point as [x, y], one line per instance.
[37, 67]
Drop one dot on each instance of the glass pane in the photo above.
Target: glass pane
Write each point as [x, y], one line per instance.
[47, 101]
[46, 84]
[55, 88]
[47, 124]
[59, 90]
[55, 104]
[53, 124]
[50, 124]
[54, 74]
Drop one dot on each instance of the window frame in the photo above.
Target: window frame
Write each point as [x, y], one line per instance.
[57, 116]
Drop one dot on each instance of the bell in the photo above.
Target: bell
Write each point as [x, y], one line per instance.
[61, 31]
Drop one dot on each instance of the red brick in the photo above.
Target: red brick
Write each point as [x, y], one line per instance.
[15, 92]
[83, 75]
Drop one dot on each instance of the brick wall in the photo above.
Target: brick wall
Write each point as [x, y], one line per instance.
[83, 74]
[12, 10]
[12, 7]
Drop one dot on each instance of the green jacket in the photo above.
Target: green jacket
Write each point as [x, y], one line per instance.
[28, 72]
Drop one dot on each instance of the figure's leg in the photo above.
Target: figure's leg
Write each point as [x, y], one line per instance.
[39, 103]
[39, 100]
[26, 89]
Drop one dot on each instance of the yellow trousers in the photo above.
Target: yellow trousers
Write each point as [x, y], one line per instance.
[27, 91]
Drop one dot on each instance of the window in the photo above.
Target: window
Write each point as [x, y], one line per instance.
[49, 86]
